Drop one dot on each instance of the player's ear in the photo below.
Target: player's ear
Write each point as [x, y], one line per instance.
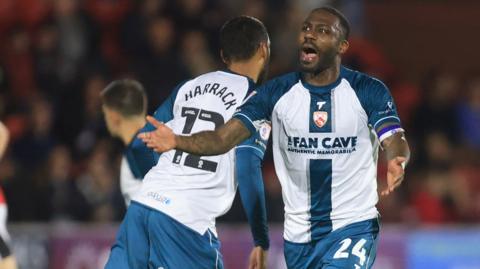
[343, 46]
[223, 57]
[264, 51]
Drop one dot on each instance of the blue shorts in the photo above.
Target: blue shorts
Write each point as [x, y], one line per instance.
[149, 238]
[351, 247]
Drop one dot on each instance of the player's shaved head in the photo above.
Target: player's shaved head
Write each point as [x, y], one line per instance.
[240, 38]
[125, 96]
[344, 24]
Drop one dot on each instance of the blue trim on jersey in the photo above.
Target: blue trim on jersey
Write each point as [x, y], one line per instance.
[320, 198]
[388, 119]
[321, 89]
[318, 115]
[374, 97]
[260, 106]
[250, 185]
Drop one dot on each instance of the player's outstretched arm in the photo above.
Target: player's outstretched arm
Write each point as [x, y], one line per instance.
[204, 143]
[398, 155]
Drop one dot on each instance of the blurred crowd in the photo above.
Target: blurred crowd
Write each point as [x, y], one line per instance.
[57, 55]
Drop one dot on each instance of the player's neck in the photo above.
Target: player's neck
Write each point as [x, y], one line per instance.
[130, 128]
[247, 68]
[325, 77]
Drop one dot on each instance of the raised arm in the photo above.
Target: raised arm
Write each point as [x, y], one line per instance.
[398, 155]
[204, 143]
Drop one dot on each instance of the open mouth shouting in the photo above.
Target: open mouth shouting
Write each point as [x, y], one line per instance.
[308, 53]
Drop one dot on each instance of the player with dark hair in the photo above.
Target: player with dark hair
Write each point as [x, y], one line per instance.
[170, 222]
[124, 109]
[7, 259]
[327, 125]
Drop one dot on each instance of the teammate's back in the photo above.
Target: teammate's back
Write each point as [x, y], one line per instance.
[195, 190]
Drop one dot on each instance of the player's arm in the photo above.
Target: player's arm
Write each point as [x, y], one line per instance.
[250, 185]
[398, 154]
[204, 143]
[4, 137]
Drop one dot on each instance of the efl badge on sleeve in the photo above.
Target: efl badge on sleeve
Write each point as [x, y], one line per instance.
[320, 118]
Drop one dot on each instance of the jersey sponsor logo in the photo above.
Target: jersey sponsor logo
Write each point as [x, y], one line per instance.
[326, 145]
[320, 104]
[389, 109]
[228, 98]
[320, 118]
[158, 197]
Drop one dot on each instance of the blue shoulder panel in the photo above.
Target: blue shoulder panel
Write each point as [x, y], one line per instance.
[141, 158]
[375, 98]
[260, 103]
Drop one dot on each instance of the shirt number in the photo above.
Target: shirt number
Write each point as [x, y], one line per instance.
[191, 116]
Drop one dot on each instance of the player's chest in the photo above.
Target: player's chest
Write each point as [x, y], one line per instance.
[335, 112]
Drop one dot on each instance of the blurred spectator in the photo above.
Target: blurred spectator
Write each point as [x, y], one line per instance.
[57, 195]
[98, 185]
[442, 197]
[35, 144]
[436, 112]
[159, 69]
[77, 40]
[195, 54]
[17, 59]
[47, 59]
[469, 114]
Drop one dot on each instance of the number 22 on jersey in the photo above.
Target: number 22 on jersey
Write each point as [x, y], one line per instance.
[193, 115]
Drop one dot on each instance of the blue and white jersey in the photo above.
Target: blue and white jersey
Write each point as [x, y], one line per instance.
[196, 190]
[129, 184]
[325, 143]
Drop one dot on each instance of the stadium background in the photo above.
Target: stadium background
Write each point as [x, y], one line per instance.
[60, 174]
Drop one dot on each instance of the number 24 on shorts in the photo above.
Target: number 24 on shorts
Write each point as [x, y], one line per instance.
[357, 250]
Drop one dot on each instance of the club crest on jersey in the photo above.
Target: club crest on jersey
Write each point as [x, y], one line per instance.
[320, 118]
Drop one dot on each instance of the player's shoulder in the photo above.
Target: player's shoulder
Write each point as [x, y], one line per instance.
[283, 82]
[360, 81]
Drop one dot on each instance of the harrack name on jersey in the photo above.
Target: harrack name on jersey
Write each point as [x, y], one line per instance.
[228, 98]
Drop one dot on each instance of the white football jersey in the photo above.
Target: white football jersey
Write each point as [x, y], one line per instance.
[129, 184]
[324, 147]
[196, 190]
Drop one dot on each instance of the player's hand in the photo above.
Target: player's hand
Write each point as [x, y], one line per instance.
[162, 139]
[257, 259]
[395, 174]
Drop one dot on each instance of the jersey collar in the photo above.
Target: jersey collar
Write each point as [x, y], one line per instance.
[322, 89]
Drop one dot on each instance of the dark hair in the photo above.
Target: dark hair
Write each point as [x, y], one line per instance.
[240, 38]
[126, 96]
[343, 20]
